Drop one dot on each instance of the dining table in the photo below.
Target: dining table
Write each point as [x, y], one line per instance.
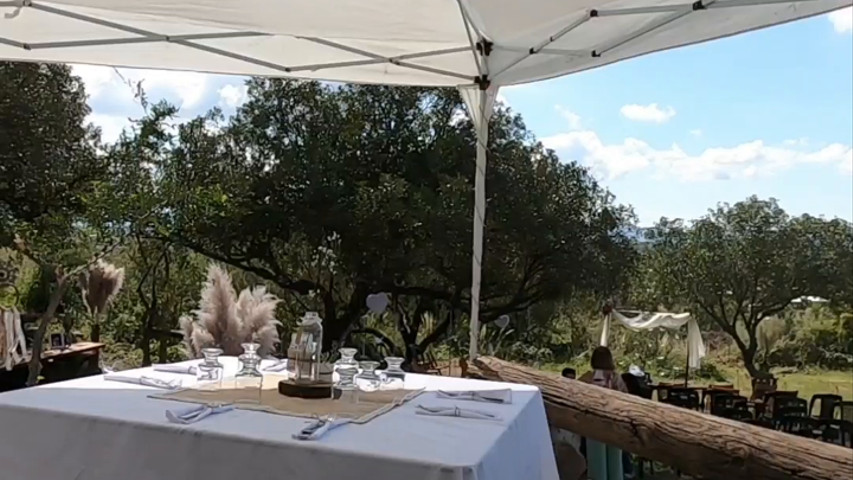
[95, 429]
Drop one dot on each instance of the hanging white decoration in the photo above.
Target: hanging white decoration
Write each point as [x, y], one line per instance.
[377, 302]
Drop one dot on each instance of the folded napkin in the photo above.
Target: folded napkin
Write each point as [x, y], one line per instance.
[489, 396]
[456, 412]
[185, 416]
[276, 367]
[320, 427]
[174, 368]
[143, 380]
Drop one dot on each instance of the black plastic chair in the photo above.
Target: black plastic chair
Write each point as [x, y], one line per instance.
[683, 397]
[718, 401]
[845, 411]
[803, 426]
[741, 414]
[827, 403]
[786, 408]
[763, 385]
[637, 386]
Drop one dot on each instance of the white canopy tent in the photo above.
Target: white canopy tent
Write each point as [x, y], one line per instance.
[474, 45]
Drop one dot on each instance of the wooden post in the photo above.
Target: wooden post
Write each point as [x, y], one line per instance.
[692, 442]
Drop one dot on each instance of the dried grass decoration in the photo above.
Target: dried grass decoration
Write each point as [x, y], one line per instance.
[225, 320]
[100, 285]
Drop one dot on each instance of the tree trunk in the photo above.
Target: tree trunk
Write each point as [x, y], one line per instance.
[163, 351]
[692, 442]
[146, 342]
[44, 322]
[96, 329]
[749, 361]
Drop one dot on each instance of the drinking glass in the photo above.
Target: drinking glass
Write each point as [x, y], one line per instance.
[393, 377]
[249, 380]
[368, 381]
[346, 383]
[209, 372]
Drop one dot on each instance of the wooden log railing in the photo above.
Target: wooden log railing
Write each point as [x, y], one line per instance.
[694, 443]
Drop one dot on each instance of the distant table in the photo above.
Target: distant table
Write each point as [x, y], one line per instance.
[93, 429]
[57, 364]
[79, 348]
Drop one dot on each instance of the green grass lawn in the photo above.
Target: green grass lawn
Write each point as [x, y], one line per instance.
[807, 382]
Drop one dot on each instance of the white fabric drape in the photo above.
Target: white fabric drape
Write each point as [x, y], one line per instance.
[15, 350]
[670, 321]
[480, 104]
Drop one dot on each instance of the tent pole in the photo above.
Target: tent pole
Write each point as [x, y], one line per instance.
[687, 368]
[482, 132]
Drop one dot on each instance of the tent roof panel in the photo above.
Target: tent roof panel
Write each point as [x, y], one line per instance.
[409, 42]
[386, 20]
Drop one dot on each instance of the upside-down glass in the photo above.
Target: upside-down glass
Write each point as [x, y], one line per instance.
[347, 358]
[249, 380]
[209, 372]
[367, 380]
[346, 383]
[393, 377]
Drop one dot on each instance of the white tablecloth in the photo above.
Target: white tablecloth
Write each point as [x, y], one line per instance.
[93, 429]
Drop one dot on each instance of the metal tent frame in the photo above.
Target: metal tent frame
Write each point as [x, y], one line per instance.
[478, 91]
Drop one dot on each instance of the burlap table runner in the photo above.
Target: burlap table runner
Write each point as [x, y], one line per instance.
[370, 404]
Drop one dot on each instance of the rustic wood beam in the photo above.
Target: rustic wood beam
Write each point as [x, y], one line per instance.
[694, 443]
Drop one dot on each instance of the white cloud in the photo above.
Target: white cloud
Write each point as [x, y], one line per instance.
[842, 20]
[189, 88]
[111, 125]
[747, 160]
[573, 119]
[696, 132]
[232, 96]
[796, 142]
[651, 113]
[847, 166]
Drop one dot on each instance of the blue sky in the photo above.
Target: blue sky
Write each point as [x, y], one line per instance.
[767, 113]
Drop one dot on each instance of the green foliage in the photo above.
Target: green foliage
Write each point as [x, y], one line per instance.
[814, 337]
[48, 161]
[381, 177]
[744, 263]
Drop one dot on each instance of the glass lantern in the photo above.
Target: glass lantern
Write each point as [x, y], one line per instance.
[312, 325]
[209, 372]
[249, 380]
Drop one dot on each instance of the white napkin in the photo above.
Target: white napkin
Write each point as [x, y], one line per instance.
[320, 427]
[276, 367]
[143, 380]
[456, 412]
[185, 416]
[173, 368]
[488, 396]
